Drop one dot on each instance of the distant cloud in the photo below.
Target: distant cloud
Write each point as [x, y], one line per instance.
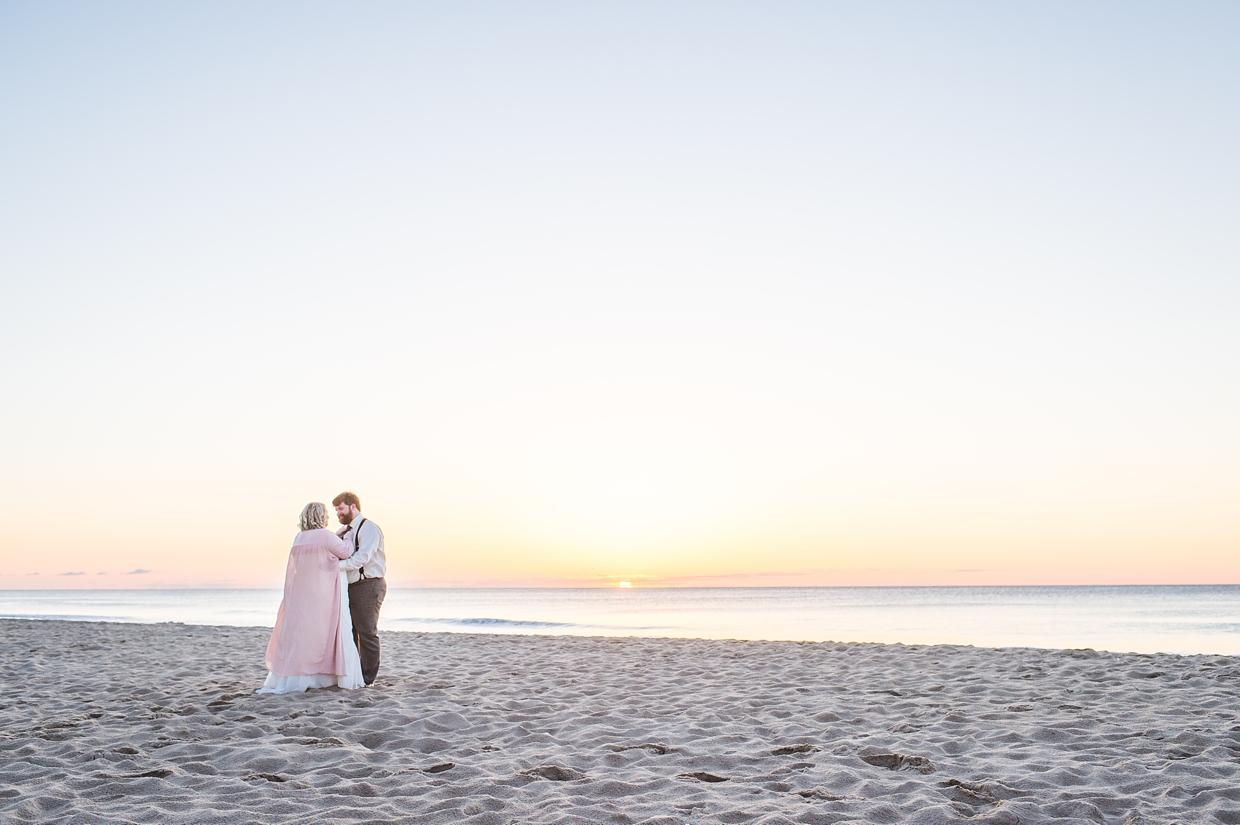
[78, 573]
[138, 572]
[32, 574]
[101, 573]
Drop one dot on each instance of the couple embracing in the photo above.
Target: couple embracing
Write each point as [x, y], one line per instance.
[326, 632]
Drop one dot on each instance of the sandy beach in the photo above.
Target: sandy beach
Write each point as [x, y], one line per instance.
[131, 723]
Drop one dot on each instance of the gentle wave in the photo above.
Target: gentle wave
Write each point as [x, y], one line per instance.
[514, 623]
[69, 617]
[482, 622]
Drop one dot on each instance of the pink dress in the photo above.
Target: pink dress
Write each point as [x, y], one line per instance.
[312, 644]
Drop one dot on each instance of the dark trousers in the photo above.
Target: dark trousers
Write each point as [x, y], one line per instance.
[365, 599]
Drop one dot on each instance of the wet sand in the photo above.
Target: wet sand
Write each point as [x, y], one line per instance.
[108, 723]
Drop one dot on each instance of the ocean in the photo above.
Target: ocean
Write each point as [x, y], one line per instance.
[1144, 619]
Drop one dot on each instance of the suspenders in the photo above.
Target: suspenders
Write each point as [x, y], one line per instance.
[357, 539]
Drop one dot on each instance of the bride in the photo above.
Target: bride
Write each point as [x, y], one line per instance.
[312, 644]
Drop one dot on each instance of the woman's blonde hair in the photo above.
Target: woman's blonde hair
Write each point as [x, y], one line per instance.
[314, 516]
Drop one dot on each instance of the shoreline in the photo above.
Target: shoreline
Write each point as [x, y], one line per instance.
[650, 638]
[635, 637]
[115, 722]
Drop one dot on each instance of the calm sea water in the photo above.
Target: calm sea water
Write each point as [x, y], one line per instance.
[1176, 619]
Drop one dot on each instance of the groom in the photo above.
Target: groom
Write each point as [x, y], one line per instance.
[366, 585]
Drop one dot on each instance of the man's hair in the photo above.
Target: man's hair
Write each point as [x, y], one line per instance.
[347, 498]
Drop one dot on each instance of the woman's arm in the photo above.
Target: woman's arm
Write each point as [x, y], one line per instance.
[337, 546]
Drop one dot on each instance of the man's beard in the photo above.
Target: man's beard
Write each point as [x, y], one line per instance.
[346, 519]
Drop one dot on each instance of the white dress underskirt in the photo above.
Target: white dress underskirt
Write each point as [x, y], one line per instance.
[352, 678]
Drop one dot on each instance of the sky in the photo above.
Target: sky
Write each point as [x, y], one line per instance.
[783, 293]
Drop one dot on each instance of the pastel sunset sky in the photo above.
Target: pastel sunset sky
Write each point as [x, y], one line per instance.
[573, 293]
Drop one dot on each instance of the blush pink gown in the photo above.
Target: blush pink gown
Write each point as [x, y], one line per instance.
[312, 644]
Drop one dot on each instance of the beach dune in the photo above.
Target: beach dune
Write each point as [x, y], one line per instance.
[160, 724]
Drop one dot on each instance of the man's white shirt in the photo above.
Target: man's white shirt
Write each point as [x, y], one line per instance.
[369, 558]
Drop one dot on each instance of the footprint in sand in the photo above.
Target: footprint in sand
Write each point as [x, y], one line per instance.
[158, 773]
[270, 777]
[440, 768]
[555, 773]
[896, 761]
[826, 796]
[703, 776]
[653, 747]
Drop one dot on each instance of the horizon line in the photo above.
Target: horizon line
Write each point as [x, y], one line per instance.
[412, 586]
